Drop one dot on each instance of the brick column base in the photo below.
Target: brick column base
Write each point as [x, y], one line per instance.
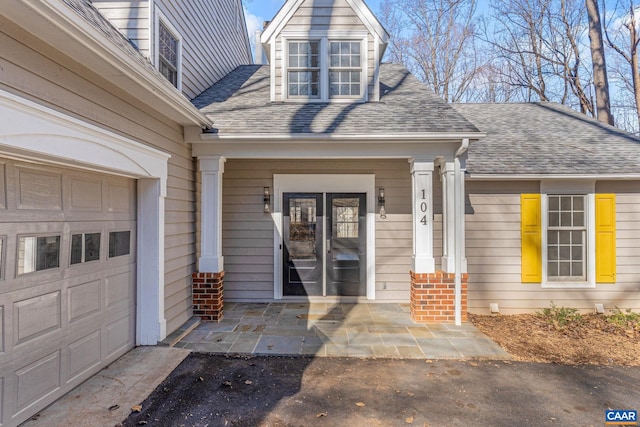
[208, 301]
[433, 297]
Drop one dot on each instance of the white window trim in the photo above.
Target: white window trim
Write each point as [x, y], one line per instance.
[572, 187]
[324, 184]
[325, 37]
[159, 17]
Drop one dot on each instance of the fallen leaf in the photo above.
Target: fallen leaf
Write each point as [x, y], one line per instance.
[474, 364]
[227, 383]
[114, 407]
[248, 382]
[136, 408]
[201, 379]
[361, 404]
[409, 420]
[143, 423]
[321, 414]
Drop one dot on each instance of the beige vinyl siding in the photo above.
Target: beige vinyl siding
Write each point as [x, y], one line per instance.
[248, 231]
[131, 18]
[214, 40]
[493, 252]
[36, 71]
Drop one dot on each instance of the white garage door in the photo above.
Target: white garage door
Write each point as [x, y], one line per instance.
[67, 281]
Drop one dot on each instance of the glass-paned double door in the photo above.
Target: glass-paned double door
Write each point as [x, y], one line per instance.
[324, 244]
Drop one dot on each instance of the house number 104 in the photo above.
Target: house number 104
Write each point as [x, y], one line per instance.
[423, 207]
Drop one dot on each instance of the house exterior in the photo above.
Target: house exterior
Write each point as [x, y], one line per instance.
[149, 173]
[97, 184]
[331, 176]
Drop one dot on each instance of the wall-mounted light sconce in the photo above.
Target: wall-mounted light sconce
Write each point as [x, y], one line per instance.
[381, 203]
[267, 200]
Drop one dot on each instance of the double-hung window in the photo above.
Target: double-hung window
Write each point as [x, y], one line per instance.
[168, 51]
[345, 69]
[304, 69]
[325, 69]
[566, 238]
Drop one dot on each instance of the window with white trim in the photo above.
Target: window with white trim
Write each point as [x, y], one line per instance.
[566, 238]
[325, 69]
[168, 53]
[345, 69]
[303, 72]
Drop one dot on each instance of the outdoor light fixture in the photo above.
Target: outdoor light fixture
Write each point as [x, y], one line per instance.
[381, 202]
[267, 200]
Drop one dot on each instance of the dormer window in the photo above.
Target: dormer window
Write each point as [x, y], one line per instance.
[345, 69]
[304, 69]
[325, 69]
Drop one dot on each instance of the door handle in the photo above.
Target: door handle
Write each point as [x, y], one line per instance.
[328, 246]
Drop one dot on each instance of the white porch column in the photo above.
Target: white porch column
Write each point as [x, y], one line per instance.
[151, 325]
[422, 195]
[212, 170]
[449, 215]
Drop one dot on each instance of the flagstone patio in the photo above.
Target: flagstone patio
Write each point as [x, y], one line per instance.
[337, 330]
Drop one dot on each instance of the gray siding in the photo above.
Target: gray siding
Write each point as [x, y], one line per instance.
[493, 252]
[132, 18]
[214, 35]
[248, 231]
[34, 70]
[214, 40]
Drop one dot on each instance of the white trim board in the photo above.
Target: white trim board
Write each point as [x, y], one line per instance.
[314, 183]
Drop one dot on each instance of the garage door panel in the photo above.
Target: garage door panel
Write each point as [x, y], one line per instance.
[35, 317]
[119, 198]
[84, 355]
[37, 380]
[38, 190]
[118, 336]
[85, 195]
[84, 300]
[119, 291]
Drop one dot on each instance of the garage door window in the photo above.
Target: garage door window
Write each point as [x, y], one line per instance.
[38, 253]
[119, 243]
[85, 248]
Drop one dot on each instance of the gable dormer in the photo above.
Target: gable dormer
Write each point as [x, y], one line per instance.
[324, 51]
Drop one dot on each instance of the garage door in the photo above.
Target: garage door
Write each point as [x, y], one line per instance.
[67, 281]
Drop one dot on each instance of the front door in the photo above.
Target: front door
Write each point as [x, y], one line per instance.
[324, 244]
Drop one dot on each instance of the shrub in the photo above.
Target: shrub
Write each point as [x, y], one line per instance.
[560, 316]
[623, 318]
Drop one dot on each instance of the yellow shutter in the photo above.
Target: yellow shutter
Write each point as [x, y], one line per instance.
[605, 238]
[531, 230]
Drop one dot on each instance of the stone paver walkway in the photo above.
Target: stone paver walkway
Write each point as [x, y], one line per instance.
[340, 330]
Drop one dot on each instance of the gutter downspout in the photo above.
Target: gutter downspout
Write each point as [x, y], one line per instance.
[458, 232]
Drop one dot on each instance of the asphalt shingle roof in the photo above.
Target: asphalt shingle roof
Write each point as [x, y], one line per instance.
[240, 104]
[547, 138]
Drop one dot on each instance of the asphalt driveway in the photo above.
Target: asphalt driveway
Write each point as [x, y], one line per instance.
[218, 390]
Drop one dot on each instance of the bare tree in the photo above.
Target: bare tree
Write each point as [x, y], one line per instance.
[598, 61]
[623, 36]
[539, 42]
[434, 39]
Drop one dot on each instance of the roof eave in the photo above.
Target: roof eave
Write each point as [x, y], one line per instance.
[538, 177]
[55, 23]
[336, 138]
